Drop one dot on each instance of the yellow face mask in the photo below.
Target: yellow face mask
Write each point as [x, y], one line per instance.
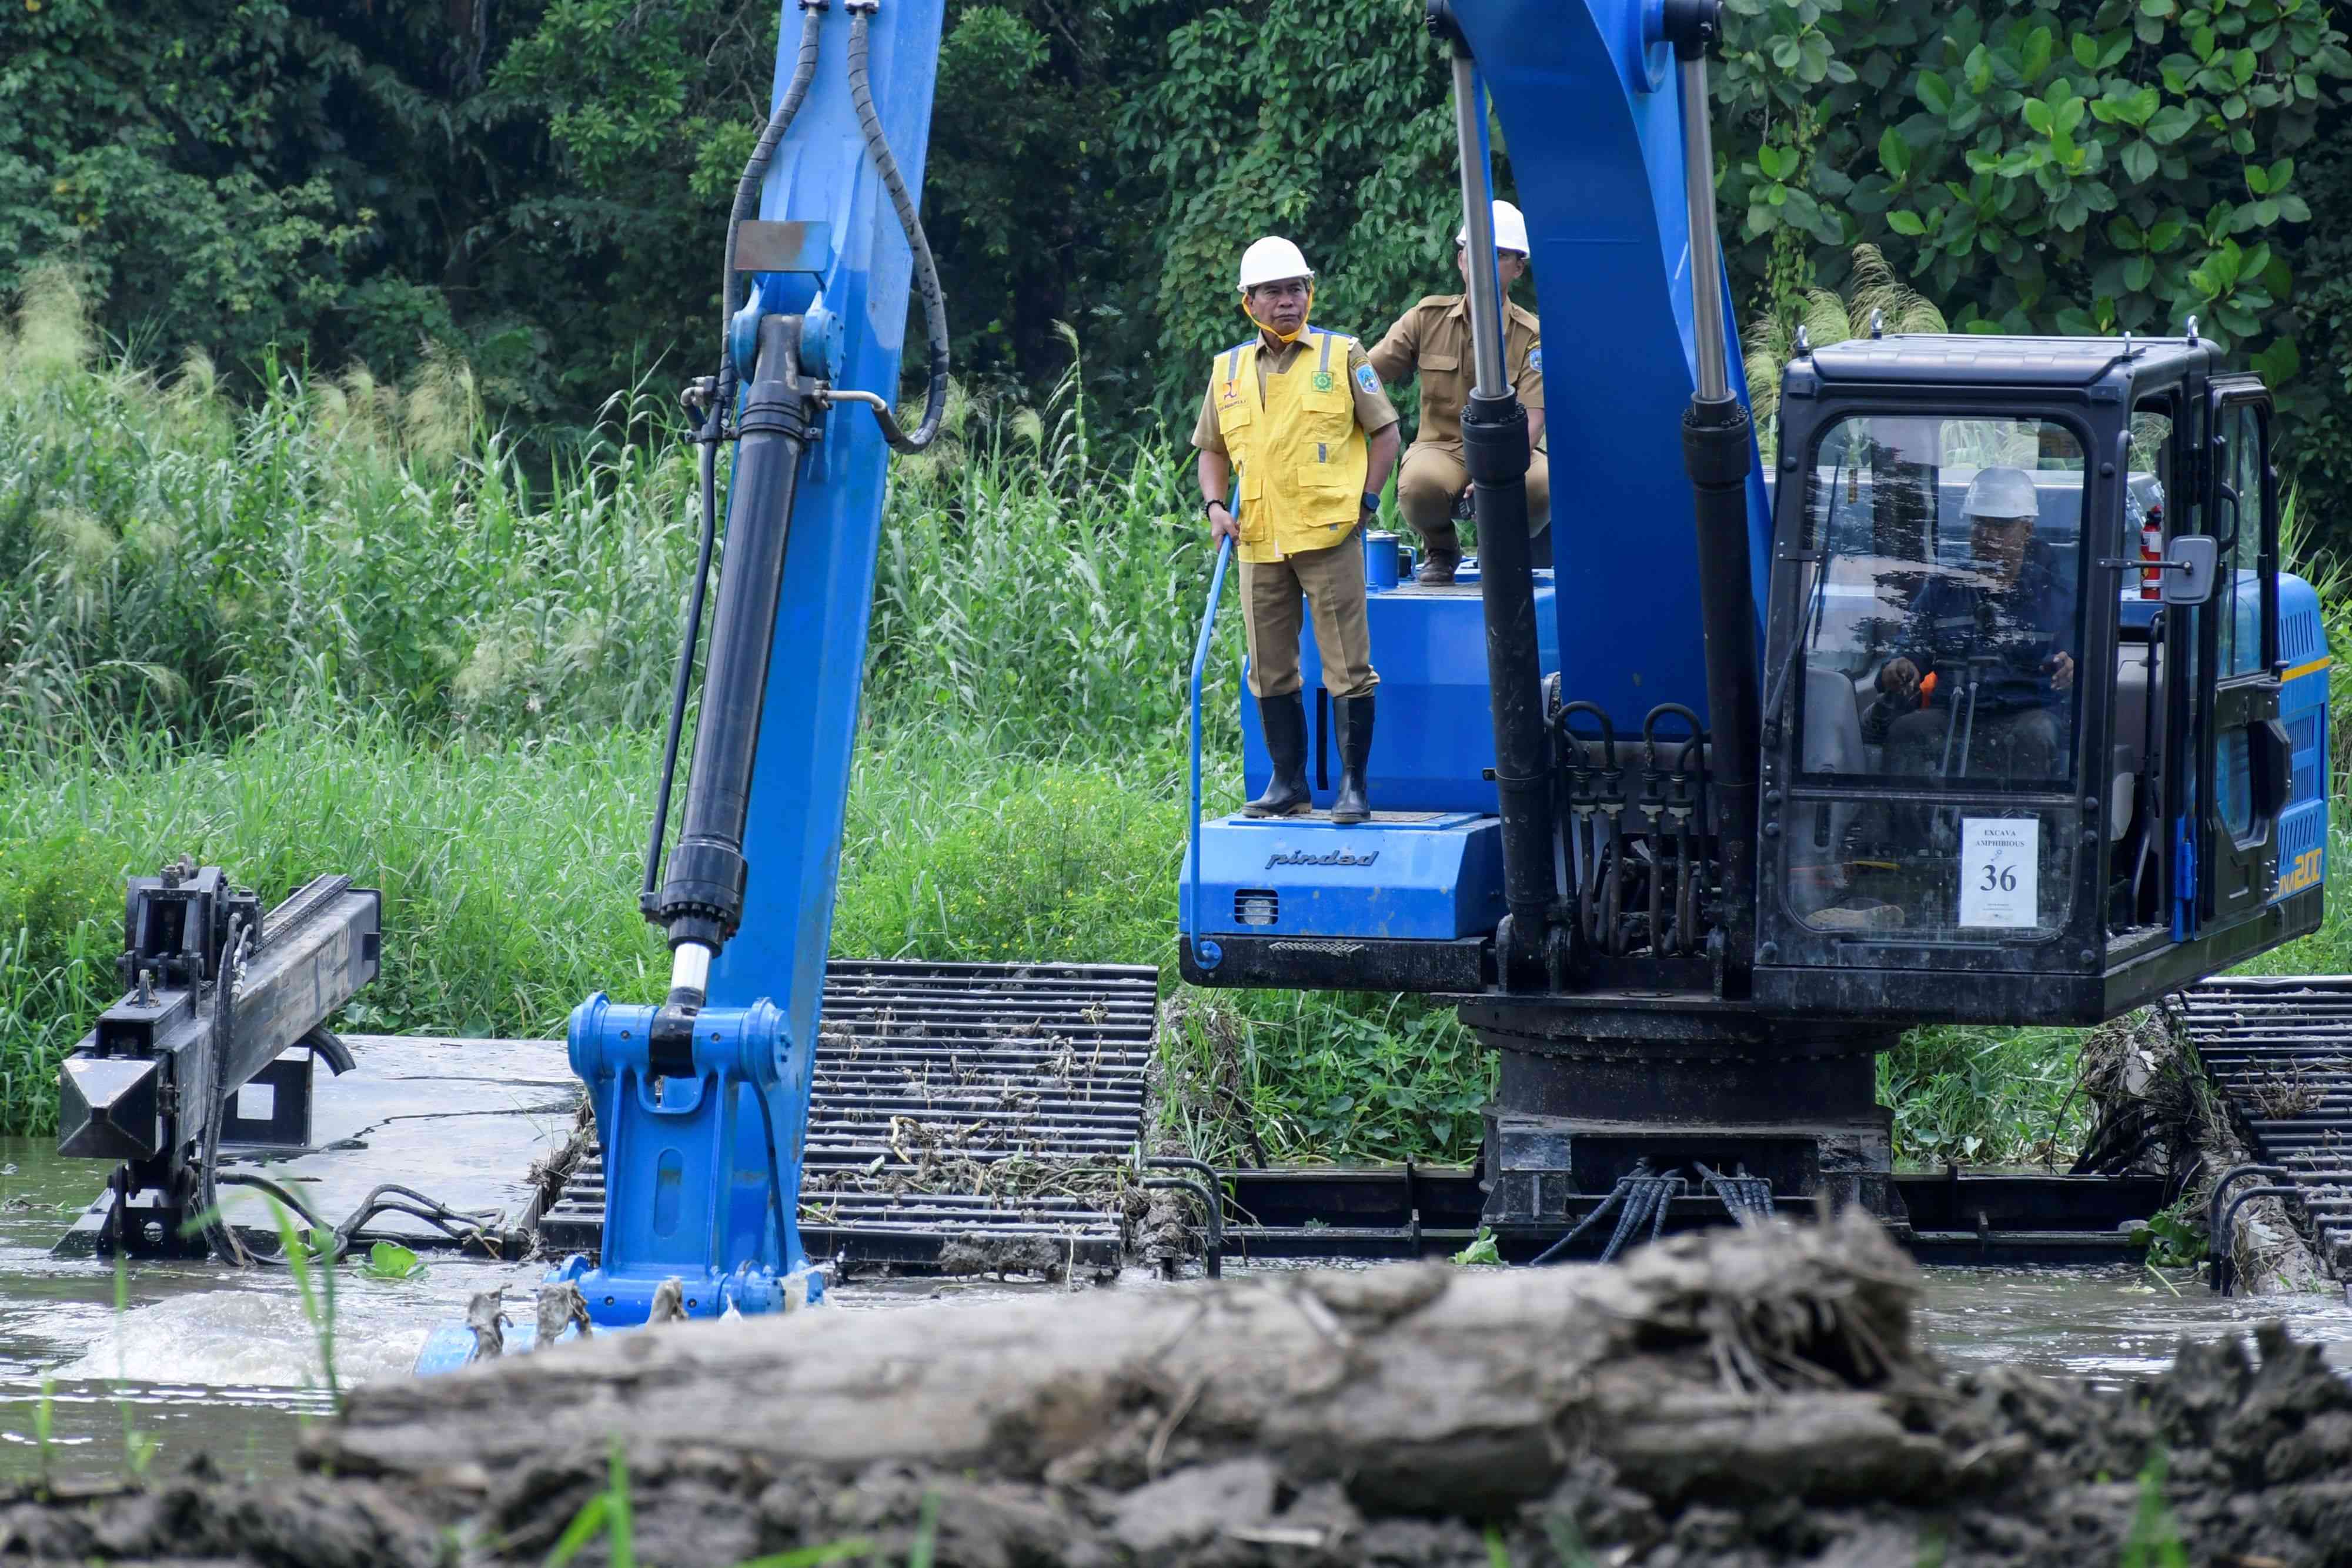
[1281, 337]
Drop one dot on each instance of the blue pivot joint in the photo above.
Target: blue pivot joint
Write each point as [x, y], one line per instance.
[698, 1186]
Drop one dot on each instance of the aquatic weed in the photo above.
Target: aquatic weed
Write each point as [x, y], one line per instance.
[138, 1448]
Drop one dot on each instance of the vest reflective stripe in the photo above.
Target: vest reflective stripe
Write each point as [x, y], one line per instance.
[1301, 457]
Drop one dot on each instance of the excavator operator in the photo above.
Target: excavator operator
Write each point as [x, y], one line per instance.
[1299, 409]
[1981, 684]
[1431, 341]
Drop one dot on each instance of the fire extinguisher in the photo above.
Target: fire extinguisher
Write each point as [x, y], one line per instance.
[2151, 553]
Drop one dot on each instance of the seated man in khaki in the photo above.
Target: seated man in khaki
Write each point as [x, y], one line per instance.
[1432, 340]
[1298, 409]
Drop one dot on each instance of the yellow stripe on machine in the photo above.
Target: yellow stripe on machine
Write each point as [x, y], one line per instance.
[2311, 668]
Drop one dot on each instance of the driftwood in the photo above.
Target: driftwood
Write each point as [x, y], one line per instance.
[1422, 1387]
[1750, 1398]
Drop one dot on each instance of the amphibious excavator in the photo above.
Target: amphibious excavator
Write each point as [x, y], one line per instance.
[1669, 823]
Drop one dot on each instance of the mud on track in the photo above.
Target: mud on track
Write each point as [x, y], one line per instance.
[1735, 1397]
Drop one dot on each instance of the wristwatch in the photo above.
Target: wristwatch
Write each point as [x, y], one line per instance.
[1372, 500]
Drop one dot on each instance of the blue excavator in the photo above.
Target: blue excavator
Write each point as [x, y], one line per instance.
[1985, 700]
[1703, 856]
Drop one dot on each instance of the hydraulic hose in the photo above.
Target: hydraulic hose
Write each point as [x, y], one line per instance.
[927, 272]
[714, 418]
[226, 1245]
[747, 200]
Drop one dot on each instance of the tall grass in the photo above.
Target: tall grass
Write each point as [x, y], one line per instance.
[348, 628]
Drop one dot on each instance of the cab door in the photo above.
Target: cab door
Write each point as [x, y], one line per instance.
[2242, 758]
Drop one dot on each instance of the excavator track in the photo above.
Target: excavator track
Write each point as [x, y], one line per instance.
[2281, 1048]
[964, 1116]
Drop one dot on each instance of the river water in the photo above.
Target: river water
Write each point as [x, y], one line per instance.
[202, 1358]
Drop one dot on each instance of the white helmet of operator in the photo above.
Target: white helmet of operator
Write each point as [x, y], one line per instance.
[1270, 260]
[1511, 229]
[2001, 494]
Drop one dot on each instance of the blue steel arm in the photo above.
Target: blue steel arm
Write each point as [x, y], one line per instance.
[1600, 176]
[703, 1169]
[1206, 954]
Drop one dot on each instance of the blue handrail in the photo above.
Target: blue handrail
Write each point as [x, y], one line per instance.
[1205, 954]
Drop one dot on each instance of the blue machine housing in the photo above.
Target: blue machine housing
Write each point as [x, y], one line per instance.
[1604, 205]
[2303, 708]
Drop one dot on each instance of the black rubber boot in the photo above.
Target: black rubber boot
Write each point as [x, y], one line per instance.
[1284, 719]
[1355, 716]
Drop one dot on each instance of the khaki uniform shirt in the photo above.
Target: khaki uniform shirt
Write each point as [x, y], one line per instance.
[1432, 340]
[1375, 413]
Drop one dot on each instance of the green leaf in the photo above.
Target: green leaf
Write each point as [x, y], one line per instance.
[2257, 180]
[2034, 58]
[1977, 69]
[2294, 210]
[1934, 92]
[2139, 162]
[1894, 152]
[2170, 124]
[2164, 235]
[1906, 223]
[2156, 8]
[2138, 273]
[2280, 173]
[390, 1260]
[2038, 115]
[2085, 50]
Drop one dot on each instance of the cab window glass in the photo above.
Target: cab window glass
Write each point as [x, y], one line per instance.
[1939, 645]
[2238, 525]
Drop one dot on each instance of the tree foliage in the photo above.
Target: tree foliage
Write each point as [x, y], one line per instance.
[2120, 165]
[537, 184]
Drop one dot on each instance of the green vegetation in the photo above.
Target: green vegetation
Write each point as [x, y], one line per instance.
[344, 630]
[537, 187]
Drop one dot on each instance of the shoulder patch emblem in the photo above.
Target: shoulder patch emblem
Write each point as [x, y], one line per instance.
[1367, 379]
[1535, 359]
[1322, 380]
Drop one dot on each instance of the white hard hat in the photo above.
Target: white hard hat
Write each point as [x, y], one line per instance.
[1271, 260]
[1511, 229]
[2001, 493]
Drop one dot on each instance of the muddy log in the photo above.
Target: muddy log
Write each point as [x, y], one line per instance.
[1736, 1397]
[1422, 1387]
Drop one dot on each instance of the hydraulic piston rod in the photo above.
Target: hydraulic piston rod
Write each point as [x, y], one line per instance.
[1717, 444]
[1494, 446]
[701, 902]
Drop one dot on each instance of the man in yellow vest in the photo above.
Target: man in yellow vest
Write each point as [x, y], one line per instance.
[1431, 341]
[1300, 409]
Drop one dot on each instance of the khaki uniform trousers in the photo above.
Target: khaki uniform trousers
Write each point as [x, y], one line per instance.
[1434, 476]
[1332, 582]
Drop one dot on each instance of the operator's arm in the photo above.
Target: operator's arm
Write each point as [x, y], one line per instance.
[1378, 419]
[1913, 656]
[1214, 469]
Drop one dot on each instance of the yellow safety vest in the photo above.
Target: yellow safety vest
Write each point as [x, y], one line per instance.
[1301, 455]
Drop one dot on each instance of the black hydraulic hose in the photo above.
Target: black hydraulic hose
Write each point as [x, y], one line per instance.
[747, 202]
[649, 896]
[927, 273]
[223, 1239]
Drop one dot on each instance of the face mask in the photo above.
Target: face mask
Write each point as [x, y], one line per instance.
[1278, 336]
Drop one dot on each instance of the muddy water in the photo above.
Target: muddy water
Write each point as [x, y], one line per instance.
[200, 1358]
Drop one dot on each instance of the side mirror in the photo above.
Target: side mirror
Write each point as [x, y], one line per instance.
[2190, 568]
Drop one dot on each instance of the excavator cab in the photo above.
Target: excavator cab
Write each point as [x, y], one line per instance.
[2013, 736]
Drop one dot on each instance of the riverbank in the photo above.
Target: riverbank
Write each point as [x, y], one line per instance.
[1737, 1397]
